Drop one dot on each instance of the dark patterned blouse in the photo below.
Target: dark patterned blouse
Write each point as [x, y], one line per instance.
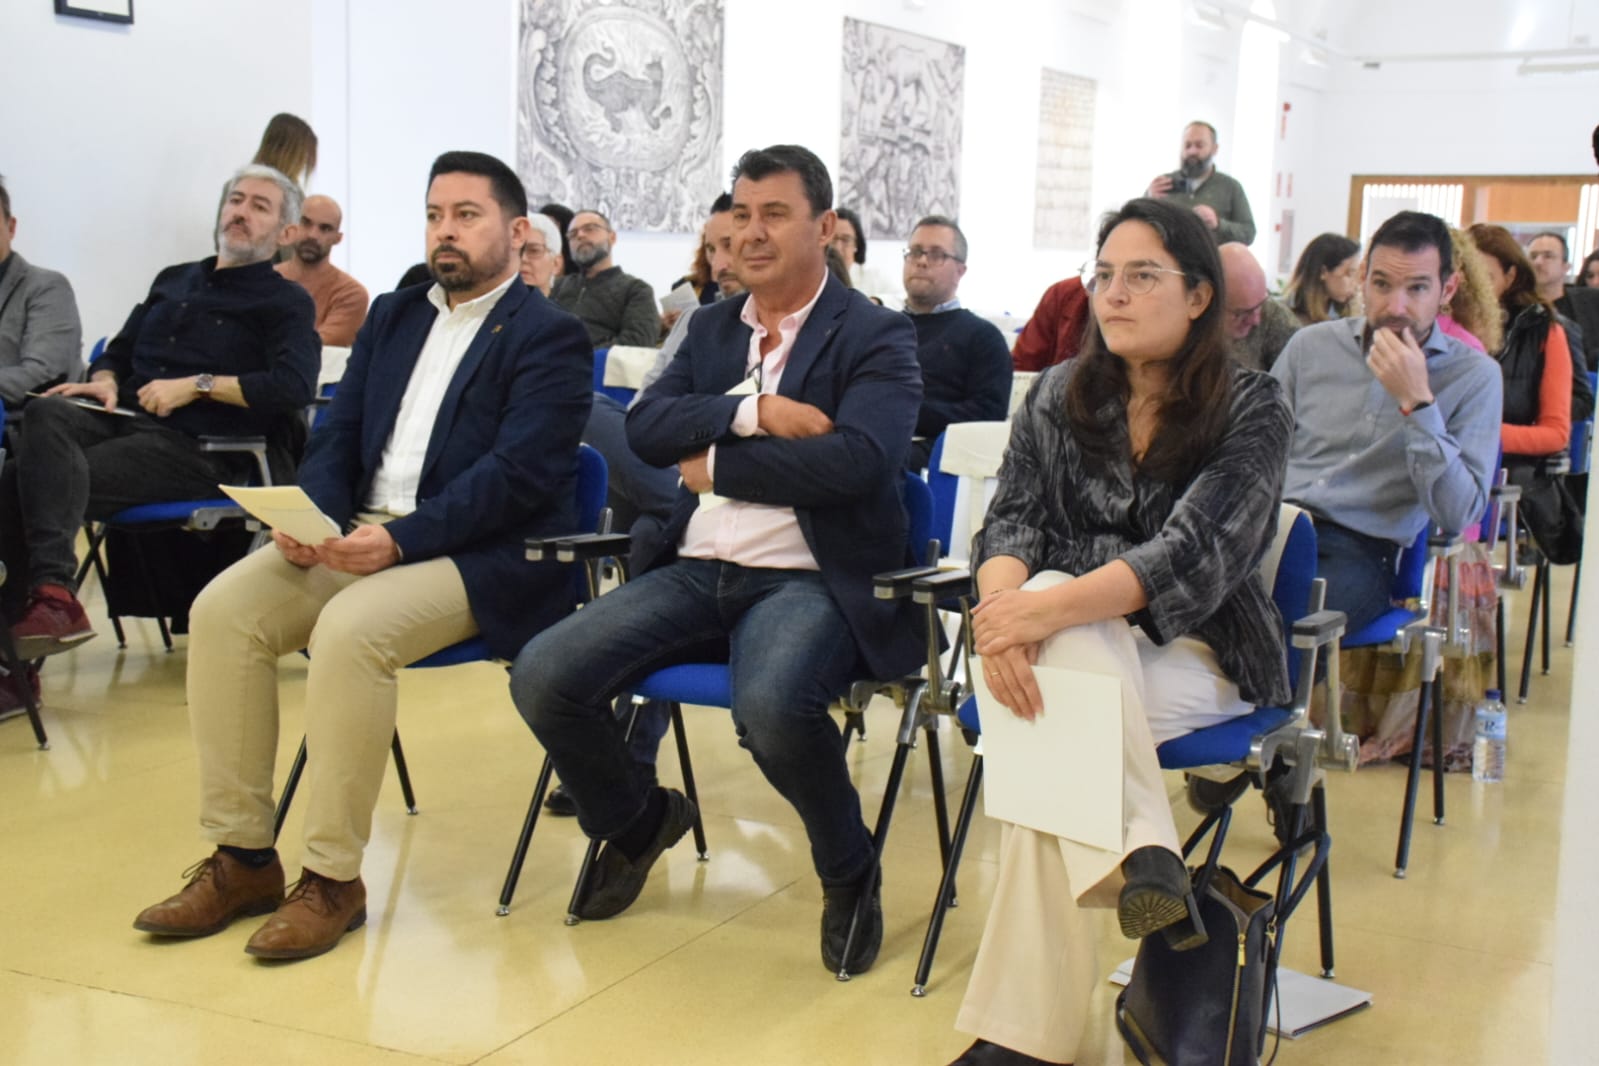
[1196, 551]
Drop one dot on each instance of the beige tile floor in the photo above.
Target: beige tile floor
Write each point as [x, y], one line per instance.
[717, 962]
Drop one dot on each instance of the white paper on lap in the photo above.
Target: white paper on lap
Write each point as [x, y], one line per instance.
[1061, 773]
[285, 508]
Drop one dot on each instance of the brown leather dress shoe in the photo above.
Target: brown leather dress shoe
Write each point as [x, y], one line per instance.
[317, 913]
[220, 889]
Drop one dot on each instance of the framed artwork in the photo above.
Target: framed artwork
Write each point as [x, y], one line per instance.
[620, 108]
[901, 127]
[101, 10]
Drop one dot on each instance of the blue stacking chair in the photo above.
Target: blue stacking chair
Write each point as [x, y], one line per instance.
[1581, 461]
[619, 393]
[1275, 741]
[591, 487]
[191, 516]
[709, 685]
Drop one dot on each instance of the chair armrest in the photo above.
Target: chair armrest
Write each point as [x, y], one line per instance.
[233, 444]
[569, 547]
[1444, 545]
[1505, 493]
[942, 585]
[1319, 629]
[896, 584]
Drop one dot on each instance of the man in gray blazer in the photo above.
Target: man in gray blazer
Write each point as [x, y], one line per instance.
[41, 341]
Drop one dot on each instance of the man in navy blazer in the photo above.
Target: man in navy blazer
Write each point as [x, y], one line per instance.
[788, 414]
[453, 436]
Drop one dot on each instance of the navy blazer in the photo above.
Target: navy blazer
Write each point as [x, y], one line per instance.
[501, 464]
[856, 362]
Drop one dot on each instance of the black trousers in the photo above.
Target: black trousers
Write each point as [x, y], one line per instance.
[74, 465]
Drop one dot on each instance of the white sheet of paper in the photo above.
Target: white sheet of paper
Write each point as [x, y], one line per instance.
[746, 387]
[1061, 773]
[680, 299]
[287, 509]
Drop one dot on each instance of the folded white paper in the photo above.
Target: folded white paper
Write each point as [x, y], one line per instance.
[1060, 773]
[287, 509]
[680, 299]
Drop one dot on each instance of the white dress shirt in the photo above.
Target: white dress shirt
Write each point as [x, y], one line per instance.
[399, 472]
[754, 534]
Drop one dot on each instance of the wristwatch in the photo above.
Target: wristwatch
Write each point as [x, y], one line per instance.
[203, 384]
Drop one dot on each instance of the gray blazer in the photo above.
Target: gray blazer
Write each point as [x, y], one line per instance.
[41, 339]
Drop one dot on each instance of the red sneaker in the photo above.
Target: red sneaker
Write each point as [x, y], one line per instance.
[11, 689]
[54, 621]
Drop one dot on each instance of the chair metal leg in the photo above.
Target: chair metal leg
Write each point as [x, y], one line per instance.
[1499, 643]
[1532, 633]
[1413, 781]
[1548, 598]
[946, 887]
[854, 726]
[935, 766]
[1438, 750]
[514, 872]
[1318, 806]
[290, 784]
[19, 670]
[580, 890]
[885, 815]
[403, 773]
[689, 789]
[1571, 612]
[150, 591]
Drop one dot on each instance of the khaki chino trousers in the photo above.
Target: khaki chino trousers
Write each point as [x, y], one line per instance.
[360, 632]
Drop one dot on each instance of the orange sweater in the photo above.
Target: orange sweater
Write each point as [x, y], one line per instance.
[1552, 431]
[340, 300]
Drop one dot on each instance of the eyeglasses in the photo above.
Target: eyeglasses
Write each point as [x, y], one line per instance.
[587, 227]
[935, 256]
[1244, 314]
[1139, 278]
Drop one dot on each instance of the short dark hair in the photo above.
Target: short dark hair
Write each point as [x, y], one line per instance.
[1411, 231]
[5, 199]
[947, 223]
[848, 215]
[722, 204]
[759, 163]
[1565, 249]
[591, 211]
[504, 185]
[1208, 126]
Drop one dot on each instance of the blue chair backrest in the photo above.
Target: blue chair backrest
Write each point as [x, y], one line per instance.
[919, 509]
[944, 487]
[619, 393]
[592, 479]
[1296, 569]
[97, 351]
[1581, 441]
[1411, 570]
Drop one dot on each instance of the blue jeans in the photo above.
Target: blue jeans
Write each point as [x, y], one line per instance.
[1359, 572]
[790, 652]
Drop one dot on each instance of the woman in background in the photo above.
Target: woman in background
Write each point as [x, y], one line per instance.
[1472, 314]
[1325, 279]
[1588, 275]
[288, 145]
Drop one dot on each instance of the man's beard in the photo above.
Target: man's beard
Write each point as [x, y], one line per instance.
[1194, 168]
[237, 248]
[593, 254]
[462, 275]
[310, 252]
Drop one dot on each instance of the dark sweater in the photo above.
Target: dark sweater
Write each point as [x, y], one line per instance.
[966, 375]
[617, 308]
[248, 321]
[1582, 307]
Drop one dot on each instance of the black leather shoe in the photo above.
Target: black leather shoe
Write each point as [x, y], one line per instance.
[617, 881]
[838, 906]
[983, 1053]
[1158, 897]
[559, 802]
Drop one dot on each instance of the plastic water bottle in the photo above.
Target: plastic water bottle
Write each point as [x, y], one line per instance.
[1488, 749]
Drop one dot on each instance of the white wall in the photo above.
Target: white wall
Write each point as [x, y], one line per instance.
[117, 139]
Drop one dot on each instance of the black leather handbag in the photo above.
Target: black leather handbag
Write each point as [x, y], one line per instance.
[1207, 1006]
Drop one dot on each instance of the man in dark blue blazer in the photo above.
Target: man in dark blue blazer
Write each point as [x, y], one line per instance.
[453, 437]
[787, 413]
